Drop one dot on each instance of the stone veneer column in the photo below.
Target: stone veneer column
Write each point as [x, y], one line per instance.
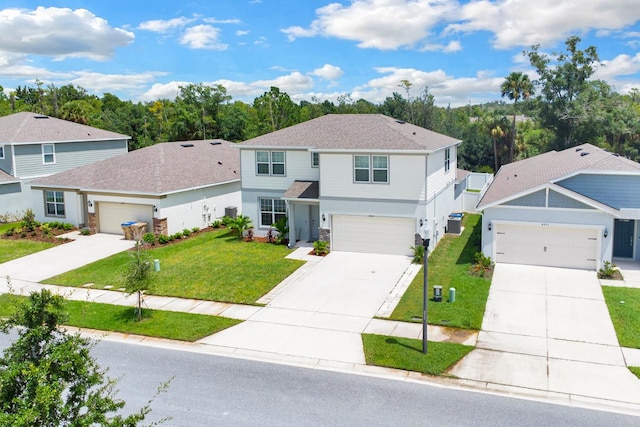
[93, 222]
[160, 226]
[324, 234]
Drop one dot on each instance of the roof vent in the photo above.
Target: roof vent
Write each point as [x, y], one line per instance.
[400, 121]
[586, 153]
[186, 145]
[219, 162]
[579, 149]
[216, 143]
[40, 117]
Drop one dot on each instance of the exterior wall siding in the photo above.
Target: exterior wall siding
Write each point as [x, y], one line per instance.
[67, 156]
[251, 206]
[557, 200]
[73, 207]
[437, 177]
[15, 198]
[619, 191]
[297, 167]
[537, 199]
[6, 164]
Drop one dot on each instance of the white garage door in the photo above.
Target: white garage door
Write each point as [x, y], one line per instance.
[112, 215]
[553, 246]
[377, 235]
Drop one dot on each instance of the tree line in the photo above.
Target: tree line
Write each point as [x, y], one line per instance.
[563, 108]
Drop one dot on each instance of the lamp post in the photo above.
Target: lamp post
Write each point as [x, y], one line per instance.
[425, 235]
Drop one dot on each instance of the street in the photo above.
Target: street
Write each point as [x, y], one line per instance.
[210, 390]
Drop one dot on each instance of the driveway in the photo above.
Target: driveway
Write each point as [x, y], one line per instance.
[549, 329]
[321, 310]
[66, 257]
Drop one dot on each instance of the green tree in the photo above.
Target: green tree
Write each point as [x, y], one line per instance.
[275, 110]
[563, 77]
[138, 276]
[516, 86]
[48, 377]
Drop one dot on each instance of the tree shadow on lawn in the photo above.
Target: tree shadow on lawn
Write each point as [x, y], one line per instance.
[472, 246]
[394, 341]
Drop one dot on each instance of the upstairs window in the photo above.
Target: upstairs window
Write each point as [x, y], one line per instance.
[447, 159]
[315, 160]
[48, 153]
[1, 151]
[270, 163]
[371, 169]
[54, 203]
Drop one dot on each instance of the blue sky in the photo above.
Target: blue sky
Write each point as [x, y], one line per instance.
[462, 50]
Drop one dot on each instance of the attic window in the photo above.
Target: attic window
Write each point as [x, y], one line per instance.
[186, 145]
[586, 153]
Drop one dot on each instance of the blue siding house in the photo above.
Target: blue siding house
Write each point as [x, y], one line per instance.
[34, 146]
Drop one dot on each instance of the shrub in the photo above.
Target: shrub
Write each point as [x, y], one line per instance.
[250, 234]
[216, 224]
[163, 239]
[23, 234]
[149, 238]
[608, 271]
[482, 264]
[271, 235]
[177, 236]
[10, 232]
[66, 226]
[186, 232]
[227, 220]
[282, 227]
[418, 254]
[239, 225]
[321, 247]
[195, 229]
[46, 229]
[85, 232]
[29, 220]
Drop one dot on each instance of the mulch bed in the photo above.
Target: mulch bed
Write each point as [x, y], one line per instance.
[38, 236]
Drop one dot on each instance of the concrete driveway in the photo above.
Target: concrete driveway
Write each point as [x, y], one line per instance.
[320, 311]
[548, 329]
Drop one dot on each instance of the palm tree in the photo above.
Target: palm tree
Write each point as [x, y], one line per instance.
[516, 86]
[496, 133]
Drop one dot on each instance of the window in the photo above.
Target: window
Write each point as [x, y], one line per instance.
[48, 153]
[447, 159]
[54, 203]
[315, 160]
[270, 163]
[271, 210]
[371, 169]
[1, 151]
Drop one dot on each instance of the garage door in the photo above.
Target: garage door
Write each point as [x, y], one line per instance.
[111, 215]
[548, 245]
[378, 235]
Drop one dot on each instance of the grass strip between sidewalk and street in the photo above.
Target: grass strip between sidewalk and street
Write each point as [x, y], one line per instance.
[212, 266]
[406, 354]
[449, 266]
[624, 306]
[114, 318]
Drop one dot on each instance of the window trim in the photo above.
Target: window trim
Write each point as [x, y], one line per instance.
[1, 151]
[271, 163]
[447, 159]
[52, 154]
[272, 212]
[315, 159]
[370, 169]
[55, 204]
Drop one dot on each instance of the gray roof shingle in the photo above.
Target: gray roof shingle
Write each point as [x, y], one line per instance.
[28, 127]
[354, 132]
[303, 190]
[6, 178]
[158, 169]
[518, 177]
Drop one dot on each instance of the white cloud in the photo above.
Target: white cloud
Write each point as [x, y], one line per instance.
[202, 37]
[163, 91]
[451, 47]
[163, 26]
[380, 24]
[328, 72]
[240, 33]
[545, 22]
[100, 83]
[293, 83]
[60, 32]
[222, 21]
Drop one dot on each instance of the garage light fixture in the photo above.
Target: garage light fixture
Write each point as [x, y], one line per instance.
[490, 226]
[155, 208]
[323, 218]
[90, 203]
[606, 232]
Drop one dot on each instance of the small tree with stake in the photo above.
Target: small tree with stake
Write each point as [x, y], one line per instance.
[138, 277]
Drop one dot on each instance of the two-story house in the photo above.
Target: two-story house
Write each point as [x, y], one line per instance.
[33, 146]
[364, 182]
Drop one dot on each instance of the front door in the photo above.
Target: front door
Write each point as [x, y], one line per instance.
[623, 238]
[314, 222]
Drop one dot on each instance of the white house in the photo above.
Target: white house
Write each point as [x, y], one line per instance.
[364, 182]
[575, 208]
[170, 186]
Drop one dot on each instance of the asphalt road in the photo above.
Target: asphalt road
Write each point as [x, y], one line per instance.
[217, 391]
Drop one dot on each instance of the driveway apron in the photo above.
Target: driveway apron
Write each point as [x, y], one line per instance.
[549, 329]
[66, 257]
[321, 311]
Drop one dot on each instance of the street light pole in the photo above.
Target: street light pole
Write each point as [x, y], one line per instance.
[425, 293]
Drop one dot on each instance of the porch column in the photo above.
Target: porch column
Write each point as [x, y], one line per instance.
[291, 215]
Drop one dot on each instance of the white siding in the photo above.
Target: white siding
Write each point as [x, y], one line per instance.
[438, 178]
[297, 167]
[406, 178]
[73, 207]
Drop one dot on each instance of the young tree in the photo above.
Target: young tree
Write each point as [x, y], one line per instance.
[138, 277]
[516, 86]
[47, 376]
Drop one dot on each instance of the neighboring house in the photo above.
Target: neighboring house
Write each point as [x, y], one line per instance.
[468, 187]
[575, 208]
[364, 182]
[33, 146]
[170, 186]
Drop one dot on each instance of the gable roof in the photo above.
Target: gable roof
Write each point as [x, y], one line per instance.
[522, 176]
[25, 127]
[155, 170]
[354, 132]
[5, 178]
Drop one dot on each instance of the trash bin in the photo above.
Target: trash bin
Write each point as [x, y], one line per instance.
[126, 227]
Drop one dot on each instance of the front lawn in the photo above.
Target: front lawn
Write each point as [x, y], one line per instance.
[13, 249]
[449, 266]
[406, 354]
[624, 306]
[114, 318]
[213, 266]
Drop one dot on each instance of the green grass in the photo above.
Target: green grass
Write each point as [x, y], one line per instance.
[626, 320]
[160, 324]
[449, 267]
[12, 249]
[212, 266]
[405, 353]
[635, 370]
[6, 226]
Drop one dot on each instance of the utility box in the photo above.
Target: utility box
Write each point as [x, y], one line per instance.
[231, 211]
[437, 293]
[454, 224]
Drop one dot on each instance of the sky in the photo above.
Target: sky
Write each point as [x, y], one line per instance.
[144, 50]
